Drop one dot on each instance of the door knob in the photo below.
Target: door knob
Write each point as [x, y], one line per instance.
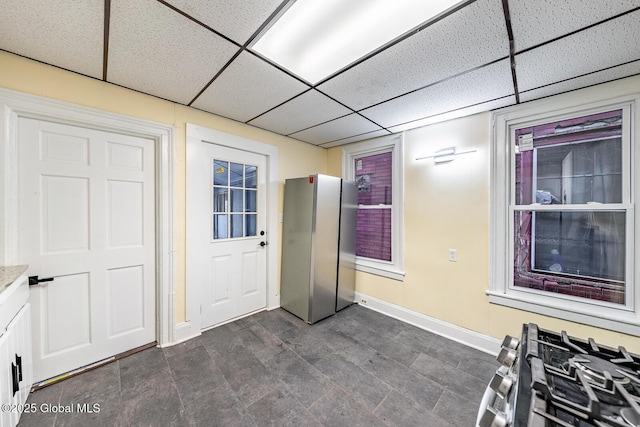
[33, 280]
[263, 244]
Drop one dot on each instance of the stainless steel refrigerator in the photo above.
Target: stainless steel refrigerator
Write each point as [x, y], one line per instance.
[318, 246]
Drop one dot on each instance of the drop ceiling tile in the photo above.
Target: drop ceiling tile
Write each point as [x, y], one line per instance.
[606, 45]
[462, 112]
[65, 33]
[535, 22]
[247, 88]
[236, 19]
[471, 37]
[356, 138]
[610, 74]
[482, 85]
[344, 127]
[155, 50]
[309, 109]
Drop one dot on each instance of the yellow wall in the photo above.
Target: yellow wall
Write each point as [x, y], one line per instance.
[295, 158]
[446, 206]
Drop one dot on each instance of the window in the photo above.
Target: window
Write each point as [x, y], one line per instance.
[235, 196]
[374, 179]
[563, 215]
[569, 216]
[376, 167]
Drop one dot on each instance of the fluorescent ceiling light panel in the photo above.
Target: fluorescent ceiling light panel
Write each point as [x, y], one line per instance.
[315, 38]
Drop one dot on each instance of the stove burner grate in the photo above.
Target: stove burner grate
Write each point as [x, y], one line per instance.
[566, 381]
[589, 388]
[597, 368]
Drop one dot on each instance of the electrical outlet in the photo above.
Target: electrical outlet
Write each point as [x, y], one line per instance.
[453, 255]
[363, 301]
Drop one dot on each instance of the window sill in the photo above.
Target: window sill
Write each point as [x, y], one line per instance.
[619, 320]
[384, 272]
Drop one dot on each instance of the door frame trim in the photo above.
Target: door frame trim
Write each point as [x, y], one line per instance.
[192, 327]
[14, 105]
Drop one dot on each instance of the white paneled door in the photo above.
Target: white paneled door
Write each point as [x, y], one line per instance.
[87, 220]
[227, 238]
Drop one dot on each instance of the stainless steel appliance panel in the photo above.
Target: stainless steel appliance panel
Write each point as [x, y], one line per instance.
[347, 247]
[317, 263]
[326, 225]
[296, 267]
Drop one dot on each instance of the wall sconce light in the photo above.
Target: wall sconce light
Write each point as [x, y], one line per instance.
[445, 155]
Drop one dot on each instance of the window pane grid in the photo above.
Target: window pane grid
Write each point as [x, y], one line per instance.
[374, 178]
[569, 209]
[235, 196]
[375, 199]
[572, 208]
[572, 161]
[373, 234]
[375, 207]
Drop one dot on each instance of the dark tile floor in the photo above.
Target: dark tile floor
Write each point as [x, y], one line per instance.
[356, 368]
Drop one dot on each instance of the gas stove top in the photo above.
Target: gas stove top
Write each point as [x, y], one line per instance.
[552, 379]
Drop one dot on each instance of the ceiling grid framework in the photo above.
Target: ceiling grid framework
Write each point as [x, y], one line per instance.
[512, 53]
[480, 55]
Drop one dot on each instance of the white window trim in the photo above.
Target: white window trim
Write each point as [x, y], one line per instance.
[625, 319]
[394, 143]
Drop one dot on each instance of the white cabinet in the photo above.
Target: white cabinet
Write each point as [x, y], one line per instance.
[6, 385]
[21, 358]
[16, 369]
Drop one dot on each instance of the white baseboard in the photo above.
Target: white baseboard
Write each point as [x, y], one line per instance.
[448, 330]
[184, 331]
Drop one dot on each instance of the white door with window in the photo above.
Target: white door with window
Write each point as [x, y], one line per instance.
[87, 221]
[226, 231]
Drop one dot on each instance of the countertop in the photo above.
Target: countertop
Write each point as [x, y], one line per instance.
[9, 274]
